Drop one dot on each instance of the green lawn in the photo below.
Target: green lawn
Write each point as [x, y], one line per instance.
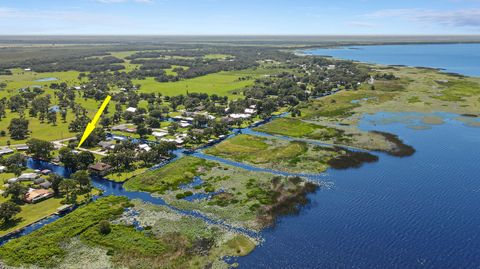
[221, 83]
[31, 213]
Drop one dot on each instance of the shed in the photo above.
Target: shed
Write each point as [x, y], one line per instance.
[45, 185]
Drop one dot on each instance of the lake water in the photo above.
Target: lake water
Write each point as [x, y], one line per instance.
[414, 212]
[46, 79]
[457, 58]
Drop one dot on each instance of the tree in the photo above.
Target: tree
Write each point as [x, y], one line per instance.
[106, 122]
[69, 188]
[40, 149]
[52, 117]
[68, 158]
[15, 163]
[84, 159]
[82, 178]
[104, 227]
[55, 180]
[17, 192]
[63, 113]
[143, 131]
[172, 128]
[8, 210]
[96, 136]
[18, 129]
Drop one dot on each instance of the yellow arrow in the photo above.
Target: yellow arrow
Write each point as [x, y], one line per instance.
[91, 125]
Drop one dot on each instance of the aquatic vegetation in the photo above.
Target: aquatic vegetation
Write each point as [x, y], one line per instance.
[352, 159]
[44, 246]
[401, 149]
[170, 176]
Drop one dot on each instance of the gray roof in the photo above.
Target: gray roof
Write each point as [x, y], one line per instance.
[45, 184]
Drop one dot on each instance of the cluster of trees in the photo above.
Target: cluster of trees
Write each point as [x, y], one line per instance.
[18, 128]
[325, 74]
[82, 64]
[125, 157]
[76, 161]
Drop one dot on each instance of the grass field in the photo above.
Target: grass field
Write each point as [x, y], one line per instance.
[169, 176]
[31, 213]
[289, 156]
[222, 83]
[123, 176]
[44, 246]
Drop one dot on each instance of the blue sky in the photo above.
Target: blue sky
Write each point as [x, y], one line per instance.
[239, 17]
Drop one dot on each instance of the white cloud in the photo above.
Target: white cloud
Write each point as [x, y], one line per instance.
[362, 24]
[452, 18]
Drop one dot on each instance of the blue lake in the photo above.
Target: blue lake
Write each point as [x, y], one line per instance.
[46, 79]
[456, 58]
[414, 212]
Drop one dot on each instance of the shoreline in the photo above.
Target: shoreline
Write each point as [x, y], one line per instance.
[303, 53]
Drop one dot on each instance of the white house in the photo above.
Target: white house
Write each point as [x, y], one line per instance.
[250, 110]
[4, 151]
[131, 109]
[2, 168]
[144, 147]
[28, 176]
[240, 116]
[159, 134]
[184, 124]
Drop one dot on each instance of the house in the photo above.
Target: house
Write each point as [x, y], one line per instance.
[45, 172]
[12, 180]
[54, 109]
[45, 185]
[4, 151]
[27, 69]
[184, 124]
[181, 118]
[28, 177]
[144, 147]
[2, 168]
[240, 116]
[108, 145]
[38, 180]
[121, 127]
[250, 111]
[77, 88]
[37, 195]
[131, 109]
[100, 168]
[159, 134]
[22, 148]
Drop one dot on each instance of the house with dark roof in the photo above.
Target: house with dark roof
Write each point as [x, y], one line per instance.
[100, 168]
